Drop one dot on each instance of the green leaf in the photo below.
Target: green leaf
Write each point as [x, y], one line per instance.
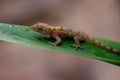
[24, 35]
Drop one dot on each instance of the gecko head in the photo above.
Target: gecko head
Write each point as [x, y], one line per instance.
[40, 27]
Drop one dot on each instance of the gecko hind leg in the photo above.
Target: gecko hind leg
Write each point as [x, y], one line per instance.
[58, 40]
[77, 43]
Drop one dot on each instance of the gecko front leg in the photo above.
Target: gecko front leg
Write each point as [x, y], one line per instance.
[77, 42]
[57, 38]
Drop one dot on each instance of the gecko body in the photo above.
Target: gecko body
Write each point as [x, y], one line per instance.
[58, 33]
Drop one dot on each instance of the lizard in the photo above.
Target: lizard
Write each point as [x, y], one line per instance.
[58, 33]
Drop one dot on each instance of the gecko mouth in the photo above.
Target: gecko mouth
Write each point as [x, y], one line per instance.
[33, 27]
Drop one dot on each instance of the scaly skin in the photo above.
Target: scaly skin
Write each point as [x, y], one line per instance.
[58, 33]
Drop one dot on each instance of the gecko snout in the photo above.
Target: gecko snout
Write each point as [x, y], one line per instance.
[33, 27]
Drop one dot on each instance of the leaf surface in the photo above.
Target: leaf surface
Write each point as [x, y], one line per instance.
[25, 36]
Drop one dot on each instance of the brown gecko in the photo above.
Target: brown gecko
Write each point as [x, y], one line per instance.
[58, 33]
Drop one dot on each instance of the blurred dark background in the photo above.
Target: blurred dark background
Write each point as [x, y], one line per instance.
[99, 18]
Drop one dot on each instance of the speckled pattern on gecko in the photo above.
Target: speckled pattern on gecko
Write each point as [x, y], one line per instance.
[58, 33]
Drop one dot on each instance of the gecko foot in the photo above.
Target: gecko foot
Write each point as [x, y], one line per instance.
[53, 44]
[76, 46]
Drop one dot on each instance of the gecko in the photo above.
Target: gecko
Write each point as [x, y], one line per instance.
[58, 33]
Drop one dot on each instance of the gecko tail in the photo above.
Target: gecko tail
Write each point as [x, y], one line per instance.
[101, 45]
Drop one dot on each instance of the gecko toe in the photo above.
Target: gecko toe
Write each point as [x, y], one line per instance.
[76, 46]
[53, 44]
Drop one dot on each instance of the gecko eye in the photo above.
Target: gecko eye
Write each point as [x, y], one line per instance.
[40, 29]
